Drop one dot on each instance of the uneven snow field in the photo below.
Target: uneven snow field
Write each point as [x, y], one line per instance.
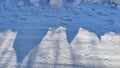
[8, 57]
[85, 51]
[35, 45]
[91, 51]
[53, 49]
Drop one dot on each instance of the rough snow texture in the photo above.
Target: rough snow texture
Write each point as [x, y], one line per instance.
[109, 50]
[7, 53]
[86, 50]
[33, 23]
[53, 49]
[103, 54]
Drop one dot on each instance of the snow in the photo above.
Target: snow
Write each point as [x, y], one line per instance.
[86, 47]
[91, 31]
[7, 54]
[103, 53]
[55, 51]
[109, 50]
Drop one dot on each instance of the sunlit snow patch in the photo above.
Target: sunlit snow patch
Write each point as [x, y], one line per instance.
[91, 52]
[7, 53]
[53, 51]
[108, 50]
[86, 50]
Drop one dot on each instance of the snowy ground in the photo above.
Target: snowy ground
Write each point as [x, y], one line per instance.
[32, 22]
[8, 57]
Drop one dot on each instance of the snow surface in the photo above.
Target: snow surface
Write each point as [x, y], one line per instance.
[32, 20]
[53, 49]
[86, 50]
[8, 57]
[90, 51]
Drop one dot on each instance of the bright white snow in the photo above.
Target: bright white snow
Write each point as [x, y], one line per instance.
[53, 49]
[85, 50]
[32, 23]
[90, 51]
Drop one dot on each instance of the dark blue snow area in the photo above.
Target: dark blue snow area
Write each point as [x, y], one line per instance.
[32, 23]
